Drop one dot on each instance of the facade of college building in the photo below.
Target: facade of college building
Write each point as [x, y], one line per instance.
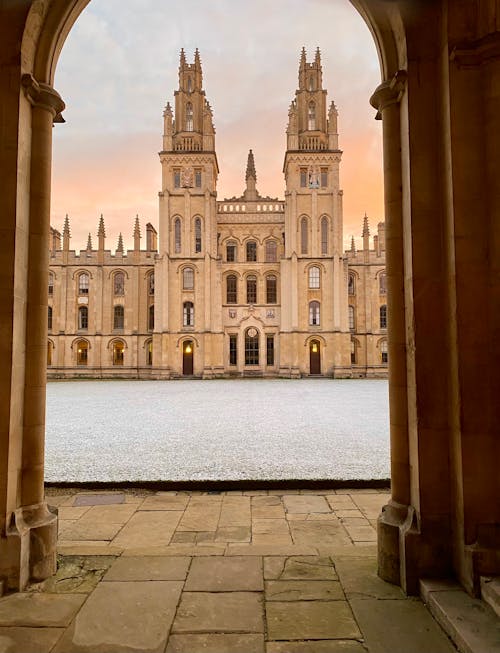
[247, 286]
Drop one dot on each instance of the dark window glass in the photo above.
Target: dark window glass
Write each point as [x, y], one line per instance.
[353, 352]
[118, 317]
[231, 290]
[251, 251]
[382, 282]
[351, 286]
[151, 284]
[251, 347]
[314, 314]
[177, 178]
[271, 289]
[270, 350]
[177, 235]
[303, 236]
[197, 178]
[324, 235]
[231, 253]
[151, 317]
[383, 317]
[188, 314]
[51, 284]
[83, 284]
[324, 177]
[383, 351]
[197, 235]
[83, 317]
[303, 177]
[251, 290]
[233, 350]
[49, 318]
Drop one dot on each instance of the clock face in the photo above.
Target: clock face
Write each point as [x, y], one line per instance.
[252, 332]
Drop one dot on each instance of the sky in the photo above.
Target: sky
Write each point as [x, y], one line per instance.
[119, 67]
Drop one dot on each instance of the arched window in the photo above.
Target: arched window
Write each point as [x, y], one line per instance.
[51, 283]
[351, 285]
[119, 283]
[189, 117]
[384, 356]
[82, 352]
[271, 289]
[83, 284]
[324, 235]
[251, 289]
[188, 314]
[118, 349]
[251, 346]
[271, 251]
[353, 352]
[251, 251]
[383, 316]
[303, 236]
[231, 289]
[314, 277]
[49, 318]
[188, 279]
[177, 235]
[50, 348]
[151, 284]
[197, 235]
[352, 318]
[118, 317]
[151, 317]
[311, 116]
[231, 252]
[149, 352]
[314, 313]
[382, 283]
[83, 318]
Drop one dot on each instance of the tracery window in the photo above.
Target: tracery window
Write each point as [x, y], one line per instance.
[231, 289]
[119, 283]
[314, 277]
[83, 284]
[251, 289]
[197, 235]
[314, 316]
[270, 350]
[271, 289]
[118, 317]
[151, 284]
[352, 318]
[233, 349]
[188, 314]
[188, 279]
[177, 236]
[351, 285]
[231, 252]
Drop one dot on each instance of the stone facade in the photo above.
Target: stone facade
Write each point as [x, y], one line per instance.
[247, 286]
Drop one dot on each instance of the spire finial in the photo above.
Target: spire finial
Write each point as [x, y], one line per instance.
[317, 58]
[89, 243]
[366, 228]
[101, 230]
[182, 58]
[119, 247]
[66, 229]
[250, 167]
[353, 245]
[137, 229]
[303, 57]
[197, 61]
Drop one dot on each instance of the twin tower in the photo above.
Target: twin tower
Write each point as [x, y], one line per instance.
[254, 285]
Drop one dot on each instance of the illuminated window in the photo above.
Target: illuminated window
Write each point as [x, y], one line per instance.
[118, 348]
[82, 352]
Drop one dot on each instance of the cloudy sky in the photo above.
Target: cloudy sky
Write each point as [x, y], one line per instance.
[119, 67]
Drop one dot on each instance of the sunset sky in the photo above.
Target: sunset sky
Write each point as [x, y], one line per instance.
[119, 67]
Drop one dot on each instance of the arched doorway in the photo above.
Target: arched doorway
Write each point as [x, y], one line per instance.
[315, 357]
[187, 358]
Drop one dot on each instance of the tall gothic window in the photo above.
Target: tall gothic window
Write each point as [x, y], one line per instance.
[188, 279]
[311, 116]
[251, 251]
[82, 352]
[118, 317]
[83, 284]
[270, 350]
[119, 283]
[118, 348]
[251, 289]
[83, 318]
[352, 318]
[382, 283]
[271, 251]
[149, 352]
[151, 284]
[324, 235]
[383, 316]
[231, 289]
[231, 252]
[324, 177]
[49, 318]
[351, 285]
[51, 283]
[314, 277]
[188, 314]
[304, 245]
[189, 117]
[353, 351]
[314, 314]
[197, 235]
[271, 289]
[177, 235]
[151, 317]
[251, 346]
[233, 349]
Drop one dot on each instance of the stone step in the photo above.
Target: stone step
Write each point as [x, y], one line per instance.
[471, 624]
[490, 592]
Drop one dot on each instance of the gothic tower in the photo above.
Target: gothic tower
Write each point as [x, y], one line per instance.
[314, 279]
[187, 290]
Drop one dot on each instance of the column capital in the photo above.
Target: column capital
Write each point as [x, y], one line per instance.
[476, 53]
[389, 92]
[43, 96]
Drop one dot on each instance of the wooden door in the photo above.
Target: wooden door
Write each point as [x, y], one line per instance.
[187, 358]
[314, 357]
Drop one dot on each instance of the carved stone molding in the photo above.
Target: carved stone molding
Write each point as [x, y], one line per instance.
[43, 96]
[476, 53]
[389, 92]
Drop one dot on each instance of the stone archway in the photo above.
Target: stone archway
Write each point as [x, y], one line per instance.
[442, 517]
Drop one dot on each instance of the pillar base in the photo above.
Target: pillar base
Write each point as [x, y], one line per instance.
[28, 551]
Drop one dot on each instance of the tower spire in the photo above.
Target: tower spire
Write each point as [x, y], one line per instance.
[250, 167]
[119, 247]
[251, 179]
[66, 233]
[137, 234]
[89, 243]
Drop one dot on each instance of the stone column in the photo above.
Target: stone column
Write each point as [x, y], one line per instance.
[33, 518]
[386, 100]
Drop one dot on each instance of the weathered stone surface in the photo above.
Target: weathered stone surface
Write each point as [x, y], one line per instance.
[235, 511]
[370, 504]
[216, 643]
[219, 612]
[87, 530]
[225, 574]
[399, 625]
[305, 503]
[318, 533]
[201, 515]
[261, 501]
[89, 548]
[176, 550]
[269, 526]
[110, 514]
[308, 568]
[272, 539]
[101, 499]
[304, 590]
[184, 537]
[269, 550]
[72, 513]
[149, 568]
[317, 646]
[268, 511]
[49, 610]
[123, 617]
[151, 528]
[359, 579]
[77, 574]
[311, 620]
[273, 567]
[363, 533]
[28, 640]
[165, 502]
[340, 502]
[233, 534]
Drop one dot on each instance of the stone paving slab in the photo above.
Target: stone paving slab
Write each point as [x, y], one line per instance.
[148, 568]
[177, 550]
[201, 516]
[28, 640]
[98, 499]
[359, 580]
[165, 502]
[311, 620]
[306, 503]
[225, 612]
[39, 610]
[304, 590]
[225, 574]
[320, 533]
[269, 550]
[399, 625]
[215, 643]
[233, 534]
[299, 568]
[89, 548]
[270, 526]
[87, 530]
[109, 514]
[148, 528]
[318, 646]
[123, 617]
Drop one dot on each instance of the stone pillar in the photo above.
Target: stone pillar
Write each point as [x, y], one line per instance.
[386, 100]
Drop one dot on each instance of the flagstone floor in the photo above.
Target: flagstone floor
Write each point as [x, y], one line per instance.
[229, 572]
